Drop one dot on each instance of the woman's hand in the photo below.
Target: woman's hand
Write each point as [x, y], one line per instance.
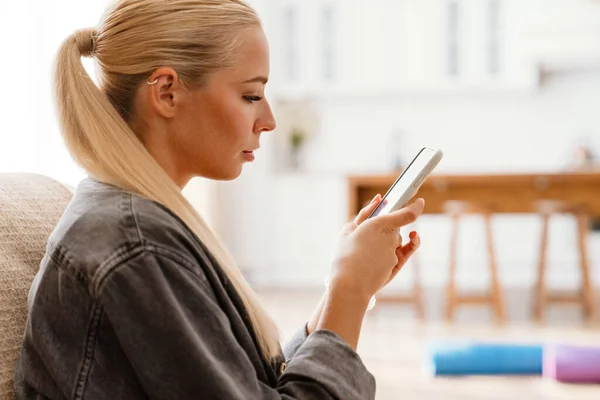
[402, 252]
[370, 252]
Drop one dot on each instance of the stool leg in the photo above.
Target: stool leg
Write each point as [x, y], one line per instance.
[587, 290]
[539, 299]
[451, 288]
[496, 287]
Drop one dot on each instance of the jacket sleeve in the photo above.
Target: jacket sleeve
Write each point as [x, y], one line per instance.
[295, 342]
[181, 345]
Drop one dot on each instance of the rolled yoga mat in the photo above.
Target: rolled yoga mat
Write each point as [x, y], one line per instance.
[572, 364]
[486, 359]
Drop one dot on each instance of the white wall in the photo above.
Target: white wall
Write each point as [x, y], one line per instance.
[30, 35]
[282, 226]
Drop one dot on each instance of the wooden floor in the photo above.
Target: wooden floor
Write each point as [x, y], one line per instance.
[393, 346]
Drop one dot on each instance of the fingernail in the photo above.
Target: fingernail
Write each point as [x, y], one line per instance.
[415, 239]
[374, 198]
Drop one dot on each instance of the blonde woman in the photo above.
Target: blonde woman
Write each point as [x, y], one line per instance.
[136, 298]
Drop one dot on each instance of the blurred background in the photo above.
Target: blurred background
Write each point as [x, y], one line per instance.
[358, 87]
[503, 87]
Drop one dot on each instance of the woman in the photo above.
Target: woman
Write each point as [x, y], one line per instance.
[136, 298]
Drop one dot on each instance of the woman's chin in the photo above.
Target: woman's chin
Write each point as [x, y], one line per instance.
[222, 174]
[230, 174]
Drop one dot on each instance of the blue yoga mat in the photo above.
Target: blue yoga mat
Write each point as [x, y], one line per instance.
[486, 359]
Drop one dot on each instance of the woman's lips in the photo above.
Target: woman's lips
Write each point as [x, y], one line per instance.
[249, 155]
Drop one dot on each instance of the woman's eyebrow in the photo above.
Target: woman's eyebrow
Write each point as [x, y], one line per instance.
[261, 79]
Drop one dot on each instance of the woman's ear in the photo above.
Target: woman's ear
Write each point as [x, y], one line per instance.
[164, 91]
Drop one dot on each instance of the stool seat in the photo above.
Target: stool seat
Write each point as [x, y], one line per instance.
[585, 295]
[549, 207]
[493, 296]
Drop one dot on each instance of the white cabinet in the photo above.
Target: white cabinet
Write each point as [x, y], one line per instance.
[405, 47]
[399, 47]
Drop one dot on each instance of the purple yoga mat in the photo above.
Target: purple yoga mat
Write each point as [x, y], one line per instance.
[572, 364]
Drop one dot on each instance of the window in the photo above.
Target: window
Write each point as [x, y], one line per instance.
[328, 47]
[493, 36]
[453, 39]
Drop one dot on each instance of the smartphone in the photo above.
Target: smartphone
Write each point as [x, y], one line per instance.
[409, 182]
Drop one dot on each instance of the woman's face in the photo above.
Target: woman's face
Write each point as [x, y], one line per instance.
[211, 131]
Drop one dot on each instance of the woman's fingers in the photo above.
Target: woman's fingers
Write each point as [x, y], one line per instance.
[403, 253]
[406, 251]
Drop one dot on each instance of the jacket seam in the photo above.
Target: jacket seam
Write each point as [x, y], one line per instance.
[135, 219]
[121, 255]
[63, 262]
[90, 344]
[106, 269]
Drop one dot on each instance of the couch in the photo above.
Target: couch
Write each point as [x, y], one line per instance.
[30, 207]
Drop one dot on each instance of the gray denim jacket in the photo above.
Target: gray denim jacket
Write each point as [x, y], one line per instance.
[128, 304]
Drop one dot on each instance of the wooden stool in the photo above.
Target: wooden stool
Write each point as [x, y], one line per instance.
[585, 296]
[494, 298]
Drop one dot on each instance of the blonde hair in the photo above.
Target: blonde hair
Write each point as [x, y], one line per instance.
[135, 37]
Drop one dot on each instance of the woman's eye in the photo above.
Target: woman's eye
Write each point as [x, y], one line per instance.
[252, 99]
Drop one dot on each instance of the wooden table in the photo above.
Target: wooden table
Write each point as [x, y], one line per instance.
[506, 193]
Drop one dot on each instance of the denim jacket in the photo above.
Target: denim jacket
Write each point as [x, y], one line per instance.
[129, 304]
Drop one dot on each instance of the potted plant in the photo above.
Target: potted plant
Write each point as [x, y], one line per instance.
[297, 139]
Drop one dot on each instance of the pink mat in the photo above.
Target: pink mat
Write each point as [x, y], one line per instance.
[572, 364]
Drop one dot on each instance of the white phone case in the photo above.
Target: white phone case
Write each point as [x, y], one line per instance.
[416, 180]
